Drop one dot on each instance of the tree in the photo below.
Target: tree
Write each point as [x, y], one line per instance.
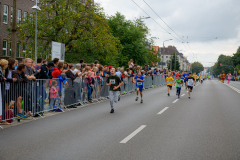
[133, 38]
[171, 63]
[197, 67]
[82, 26]
[236, 57]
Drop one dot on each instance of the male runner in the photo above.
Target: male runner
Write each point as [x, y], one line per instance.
[114, 82]
[179, 83]
[139, 79]
[185, 75]
[191, 81]
[169, 82]
[195, 77]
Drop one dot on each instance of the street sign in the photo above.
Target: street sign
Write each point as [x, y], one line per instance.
[58, 51]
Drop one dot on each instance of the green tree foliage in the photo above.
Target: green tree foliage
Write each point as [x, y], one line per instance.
[133, 38]
[171, 63]
[236, 57]
[81, 25]
[197, 67]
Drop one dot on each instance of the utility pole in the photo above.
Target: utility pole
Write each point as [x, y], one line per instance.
[14, 30]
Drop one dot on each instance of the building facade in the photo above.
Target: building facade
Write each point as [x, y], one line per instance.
[6, 17]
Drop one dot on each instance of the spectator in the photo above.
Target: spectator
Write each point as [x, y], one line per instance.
[81, 62]
[44, 62]
[15, 65]
[39, 64]
[46, 71]
[20, 92]
[83, 66]
[54, 94]
[57, 71]
[96, 63]
[10, 80]
[3, 67]
[118, 73]
[29, 71]
[91, 66]
[65, 66]
[130, 63]
[70, 74]
[56, 61]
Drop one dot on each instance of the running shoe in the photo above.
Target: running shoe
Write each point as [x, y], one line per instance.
[136, 99]
[119, 98]
[112, 111]
[168, 94]
[141, 100]
[20, 115]
[189, 97]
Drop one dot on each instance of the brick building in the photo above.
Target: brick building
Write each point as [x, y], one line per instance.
[6, 14]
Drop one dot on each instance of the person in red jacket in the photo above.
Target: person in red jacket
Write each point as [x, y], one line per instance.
[57, 71]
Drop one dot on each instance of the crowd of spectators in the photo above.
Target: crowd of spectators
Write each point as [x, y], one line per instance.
[12, 72]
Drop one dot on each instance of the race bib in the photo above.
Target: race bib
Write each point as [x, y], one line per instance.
[169, 82]
[112, 81]
[139, 83]
[178, 85]
[190, 81]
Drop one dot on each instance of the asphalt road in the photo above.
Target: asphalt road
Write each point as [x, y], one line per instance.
[205, 127]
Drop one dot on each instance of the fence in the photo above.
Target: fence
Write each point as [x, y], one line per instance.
[36, 97]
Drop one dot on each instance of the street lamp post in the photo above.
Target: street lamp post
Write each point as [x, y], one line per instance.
[164, 50]
[37, 9]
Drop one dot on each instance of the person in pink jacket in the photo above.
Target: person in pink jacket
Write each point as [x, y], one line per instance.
[54, 94]
[229, 77]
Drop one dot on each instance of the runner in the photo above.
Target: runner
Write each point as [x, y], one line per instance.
[114, 82]
[182, 78]
[202, 78]
[169, 82]
[139, 79]
[179, 83]
[195, 77]
[185, 75]
[191, 81]
[229, 77]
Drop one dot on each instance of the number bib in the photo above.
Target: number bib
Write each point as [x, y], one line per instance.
[139, 83]
[190, 81]
[169, 82]
[112, 81]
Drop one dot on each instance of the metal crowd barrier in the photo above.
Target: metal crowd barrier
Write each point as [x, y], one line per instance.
[34, 98]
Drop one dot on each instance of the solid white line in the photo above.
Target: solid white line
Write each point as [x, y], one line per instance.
[125, 140]
[163, 110]
[175, 101]
[183, 95]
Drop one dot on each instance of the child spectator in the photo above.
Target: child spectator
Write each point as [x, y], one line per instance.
[54, 94]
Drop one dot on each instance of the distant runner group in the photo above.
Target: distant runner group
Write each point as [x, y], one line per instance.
[185, 78]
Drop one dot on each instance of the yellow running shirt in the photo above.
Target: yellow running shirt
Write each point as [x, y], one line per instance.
[169, 81]
[195, 76]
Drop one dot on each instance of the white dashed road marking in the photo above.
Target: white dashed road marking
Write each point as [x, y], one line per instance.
[163, 110]
[125, 140]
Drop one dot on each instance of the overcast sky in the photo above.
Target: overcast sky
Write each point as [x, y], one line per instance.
[208, 27]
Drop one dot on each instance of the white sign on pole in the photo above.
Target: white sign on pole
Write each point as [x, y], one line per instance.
[58, 51]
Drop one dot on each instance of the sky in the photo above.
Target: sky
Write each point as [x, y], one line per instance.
[200, 29]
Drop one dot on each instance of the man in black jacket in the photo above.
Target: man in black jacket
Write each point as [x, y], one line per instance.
[46, 71]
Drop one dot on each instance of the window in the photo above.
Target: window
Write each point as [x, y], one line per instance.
[4, 48]
[24, 16]
[10, 45]
[19, 16]
[24, 51]
[5, 14]
[18, 50]
[11, 14]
